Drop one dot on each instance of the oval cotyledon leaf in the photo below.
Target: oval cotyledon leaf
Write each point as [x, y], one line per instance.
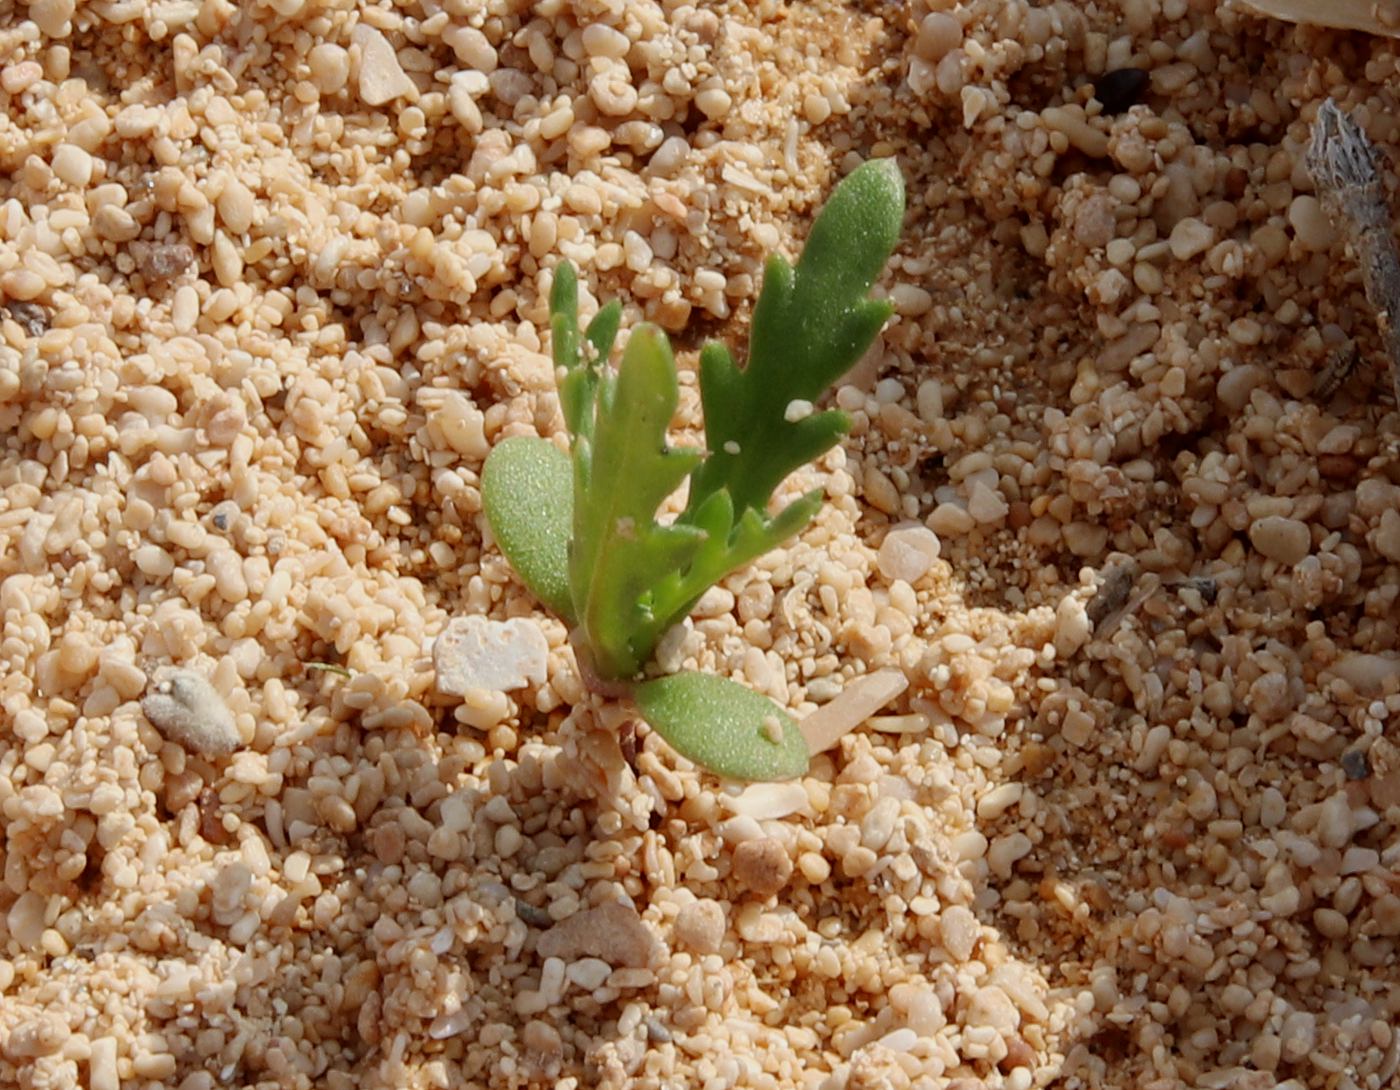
[724, 726]
[527, 491]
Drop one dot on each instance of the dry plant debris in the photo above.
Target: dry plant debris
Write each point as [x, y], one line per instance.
[273, 282]
[1343, 165]
[1371, 16]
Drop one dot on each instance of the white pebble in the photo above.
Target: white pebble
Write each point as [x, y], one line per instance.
[1387, 535]
[1191, 237]
[769, 801]
[102, 1065]
[600, 40]
[1072, 627]
[185, 708]
[1334, 823]
[986, 505]
[907, 553]
[1367, 673]
[382, 78]
[588, 973]
[958, 928]
[950, 520]
[1006, 850]
[929, 400]
[52, 16]
[495, 656]
[991, 1007]
[1310, 223]
[73, 165]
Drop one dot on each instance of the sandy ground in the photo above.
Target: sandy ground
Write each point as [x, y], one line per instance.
[274, 279]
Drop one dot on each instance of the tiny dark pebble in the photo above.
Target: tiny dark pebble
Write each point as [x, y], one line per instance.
[535, 917]
[1120, 89]
[1018, 1054]
[211, 818]
[627, 741]
[1355, 764]
[933, 466]
[223, 515]
[1205, 586]
[163, 261]
[31, 317]
[657, 1032]
[1118, 580]
[1338, 467]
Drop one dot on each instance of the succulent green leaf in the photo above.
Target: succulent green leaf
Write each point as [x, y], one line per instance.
[729, 729]
[810, 326]
[602, 331]
[622, 475]
[727, 548]
[577, 376]
[527, 492]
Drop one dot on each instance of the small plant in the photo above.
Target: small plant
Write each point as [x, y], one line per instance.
[582, 532]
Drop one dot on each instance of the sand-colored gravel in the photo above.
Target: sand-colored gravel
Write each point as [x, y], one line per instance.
[1119, 514]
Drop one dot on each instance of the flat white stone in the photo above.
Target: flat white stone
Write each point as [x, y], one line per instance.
[498, 656]
[382, 78]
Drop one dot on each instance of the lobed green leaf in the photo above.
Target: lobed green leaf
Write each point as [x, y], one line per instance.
[622, 475]
[810, 326]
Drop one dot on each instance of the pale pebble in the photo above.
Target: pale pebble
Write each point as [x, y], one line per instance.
[992, 1008]
[495, 656]
[907, 553]
[612, 931]
[986, 505]
[1367, 673]
[1235, 385]
[1387, 536]
[950, 520]
[381, 78]
[1191, 237]
[958, 928]
[700, 926]
[1286, 540]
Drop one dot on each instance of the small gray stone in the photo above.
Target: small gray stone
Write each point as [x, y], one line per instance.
[498, 656]
[186, 709]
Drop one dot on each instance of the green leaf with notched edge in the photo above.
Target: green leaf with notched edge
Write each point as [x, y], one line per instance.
[724, 726]
[810, 326]
[623, 473]
[728, 547]
[527, 491]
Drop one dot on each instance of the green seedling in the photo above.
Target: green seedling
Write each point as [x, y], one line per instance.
[581, 530]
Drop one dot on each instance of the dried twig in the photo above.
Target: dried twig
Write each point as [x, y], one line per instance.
[1344, 167]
